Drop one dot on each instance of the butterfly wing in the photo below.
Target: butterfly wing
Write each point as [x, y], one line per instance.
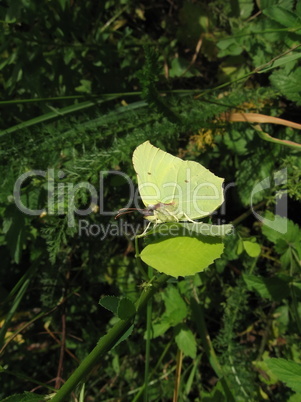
[201, 190]
[156, 172]
[193, 190]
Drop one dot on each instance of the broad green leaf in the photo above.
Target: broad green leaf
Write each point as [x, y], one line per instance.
[185, 340]
[182, 255]
[287, 371]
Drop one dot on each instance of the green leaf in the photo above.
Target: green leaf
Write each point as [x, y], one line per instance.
[286, 235]
[126, 308]
[85, 87]
[283, 228]
[175, 311]
[185, 340]
[229, 47]
[287, 371]
[253, 249]
[282, 16]
[184, 249]
[182, 255]
[295, 398]
[110, 303]
[288, 84]
[123, 308]
[180, 66]
[124, 336]
[240, 247]
[266, 375]
[246, 8]
[287, 4]
[281, 61]
[176, 308]
[270, 288]
[160, 328]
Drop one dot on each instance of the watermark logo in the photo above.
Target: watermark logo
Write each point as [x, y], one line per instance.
[66, 198]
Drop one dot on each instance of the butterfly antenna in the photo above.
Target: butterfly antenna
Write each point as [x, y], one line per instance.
[124, 211]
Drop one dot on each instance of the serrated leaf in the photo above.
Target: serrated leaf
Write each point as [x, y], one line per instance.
[283, 228]
[126, 308]
[185, 340]
[288, 84]
[287, 371]
[110, 303]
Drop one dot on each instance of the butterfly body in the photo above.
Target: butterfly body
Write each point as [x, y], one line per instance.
[160, 212]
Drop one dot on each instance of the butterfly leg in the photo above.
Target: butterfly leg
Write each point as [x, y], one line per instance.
[145, 230]
[190, 220]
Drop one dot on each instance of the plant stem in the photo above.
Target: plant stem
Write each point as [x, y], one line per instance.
[107, 342]
[148, 339]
